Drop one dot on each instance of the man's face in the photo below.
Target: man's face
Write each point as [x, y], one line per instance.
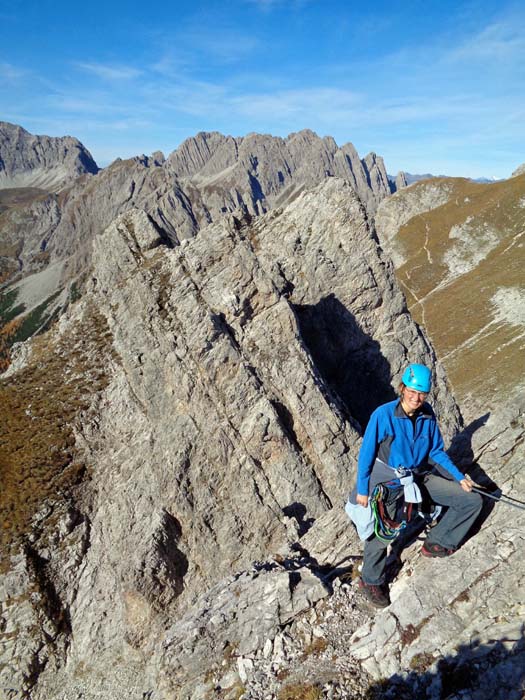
[413, 400]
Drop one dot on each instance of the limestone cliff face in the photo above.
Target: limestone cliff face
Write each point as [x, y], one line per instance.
[401, 181]
[215, 392]
[176, 451]
[49, 236]
[206, 177]
[264, 170]
[45, 162]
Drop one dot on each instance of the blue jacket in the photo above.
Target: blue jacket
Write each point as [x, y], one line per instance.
[391, 437]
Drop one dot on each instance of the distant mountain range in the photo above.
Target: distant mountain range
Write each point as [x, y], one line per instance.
[413, 177]
[54, 200]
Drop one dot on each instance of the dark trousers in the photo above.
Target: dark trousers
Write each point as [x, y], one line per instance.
[462, 509]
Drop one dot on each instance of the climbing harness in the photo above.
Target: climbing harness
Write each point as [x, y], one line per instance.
[502, 498]
[386, 529]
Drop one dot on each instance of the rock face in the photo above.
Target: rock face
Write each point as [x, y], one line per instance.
[45, 162]
[401, 181]
[207, 177]
[177, 449]
[458, 246]
[519, 170]
[266, 170]
[214, 392]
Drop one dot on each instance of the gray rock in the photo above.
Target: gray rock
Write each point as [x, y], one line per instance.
[266, 171]
[40, 161]
[401, 181]
[207, 177]
[231, 621]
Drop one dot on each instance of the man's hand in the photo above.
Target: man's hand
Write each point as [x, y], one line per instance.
[467, 484]
[361, 500]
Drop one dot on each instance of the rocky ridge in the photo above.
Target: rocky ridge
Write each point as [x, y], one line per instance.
[206, 177]
[195, 546]
[217, 424]
[274, 169]
[49, 236]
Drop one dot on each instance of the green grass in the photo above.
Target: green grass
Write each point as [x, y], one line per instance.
[16, 328]
[34, 320]
[8, 310]
[74, 292]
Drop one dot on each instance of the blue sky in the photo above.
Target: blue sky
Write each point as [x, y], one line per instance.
[430, 86]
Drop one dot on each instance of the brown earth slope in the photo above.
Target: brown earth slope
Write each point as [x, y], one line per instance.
[459, 254]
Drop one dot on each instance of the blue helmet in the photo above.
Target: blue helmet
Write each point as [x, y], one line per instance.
[417, 377]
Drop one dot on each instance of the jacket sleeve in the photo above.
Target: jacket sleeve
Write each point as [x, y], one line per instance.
[367, 454]
[437, 454]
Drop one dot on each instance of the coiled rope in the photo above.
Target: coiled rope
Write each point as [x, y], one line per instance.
[385, 529]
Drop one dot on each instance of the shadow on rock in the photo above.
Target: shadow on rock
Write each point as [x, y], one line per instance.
[298, 512]
[350, 362]
[495, 670]
[301, 559]
[460, 448]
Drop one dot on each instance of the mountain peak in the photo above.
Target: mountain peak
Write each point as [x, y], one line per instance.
[47, 162]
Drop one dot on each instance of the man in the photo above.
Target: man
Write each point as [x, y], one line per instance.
[403, 444]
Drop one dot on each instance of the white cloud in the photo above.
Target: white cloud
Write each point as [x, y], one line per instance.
[171, 65]
[226, 46]
[110, 72]
[264, 4]
[10, 73]
[501, 41]
[326, 103]
[443, 96]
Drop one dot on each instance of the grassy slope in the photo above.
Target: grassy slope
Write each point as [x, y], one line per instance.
[38, 409]
[456, 314]
[15, 326]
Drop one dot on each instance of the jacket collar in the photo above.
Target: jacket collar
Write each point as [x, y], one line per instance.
[425, 411]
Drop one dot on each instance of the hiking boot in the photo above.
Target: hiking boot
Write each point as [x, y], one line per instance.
[374, 594]
[435, 550]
